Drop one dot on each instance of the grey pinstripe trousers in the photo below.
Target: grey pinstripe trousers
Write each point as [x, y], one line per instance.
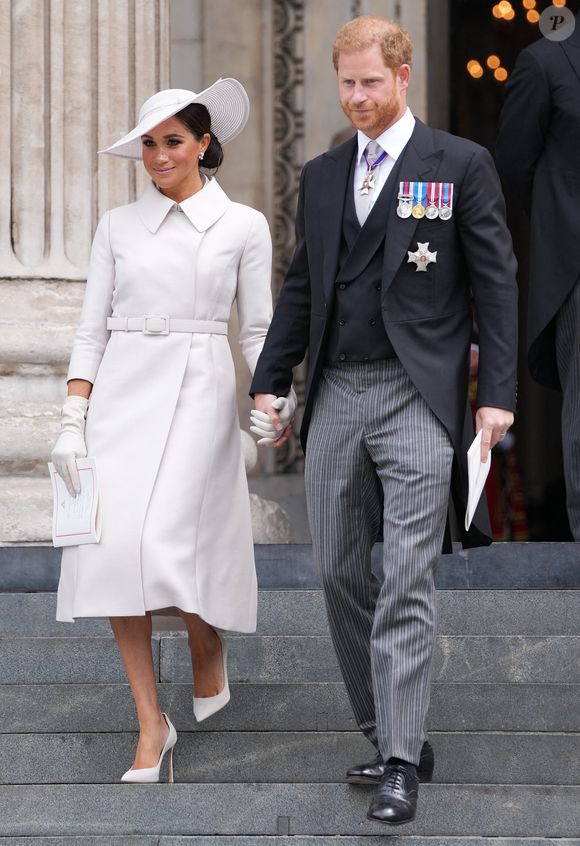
[371, 428]
[568, 357]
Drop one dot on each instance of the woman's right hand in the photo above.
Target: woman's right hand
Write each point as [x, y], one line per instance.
[71, 442]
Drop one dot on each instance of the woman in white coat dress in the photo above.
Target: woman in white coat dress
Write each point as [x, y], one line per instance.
[151, 370]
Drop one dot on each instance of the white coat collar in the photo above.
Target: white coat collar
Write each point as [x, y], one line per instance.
[202, 209]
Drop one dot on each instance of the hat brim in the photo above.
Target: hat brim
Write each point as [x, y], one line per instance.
[226, 101]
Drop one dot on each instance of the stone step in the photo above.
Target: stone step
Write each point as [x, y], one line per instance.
[508, 810]
[28, 432]
[281, 659]
[502, 566]
[302, 612]
[25, 513]
[457, 659]
[272, 840]
[31, 709]
[294, 757]
[26, 507]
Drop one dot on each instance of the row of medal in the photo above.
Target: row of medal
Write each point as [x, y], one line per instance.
[425, 199]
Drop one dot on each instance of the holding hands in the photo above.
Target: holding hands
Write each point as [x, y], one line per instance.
[272, 418]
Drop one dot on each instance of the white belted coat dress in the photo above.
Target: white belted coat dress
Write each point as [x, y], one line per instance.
[162, 423]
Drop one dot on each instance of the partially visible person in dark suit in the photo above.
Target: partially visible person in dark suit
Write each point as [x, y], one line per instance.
[538, 156]
[397, 229]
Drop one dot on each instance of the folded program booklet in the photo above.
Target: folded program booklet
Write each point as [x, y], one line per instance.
[76, 519]
[477, 473]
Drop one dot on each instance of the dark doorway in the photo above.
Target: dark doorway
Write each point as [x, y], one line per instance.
[490, 38]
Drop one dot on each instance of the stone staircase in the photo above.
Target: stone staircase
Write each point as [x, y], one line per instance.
[268, 770]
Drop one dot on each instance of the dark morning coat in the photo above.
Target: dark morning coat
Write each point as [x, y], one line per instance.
[427, 315]
[538, 156]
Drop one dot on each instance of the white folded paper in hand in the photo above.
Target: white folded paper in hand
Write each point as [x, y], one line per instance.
[76, 519]
[477, 473]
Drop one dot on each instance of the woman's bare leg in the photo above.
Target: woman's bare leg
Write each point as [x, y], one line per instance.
[206, 656]
[133, 636]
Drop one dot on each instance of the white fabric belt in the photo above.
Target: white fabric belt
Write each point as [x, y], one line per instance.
[162, 324]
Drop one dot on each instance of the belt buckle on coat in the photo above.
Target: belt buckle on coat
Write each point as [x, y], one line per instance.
[161, 328]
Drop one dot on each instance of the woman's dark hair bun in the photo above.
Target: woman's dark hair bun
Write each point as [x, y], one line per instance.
[196, 118]
[214, 155]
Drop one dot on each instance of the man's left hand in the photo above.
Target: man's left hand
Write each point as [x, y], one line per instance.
[495, 422]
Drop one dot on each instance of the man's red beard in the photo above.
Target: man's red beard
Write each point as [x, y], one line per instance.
[379, 118]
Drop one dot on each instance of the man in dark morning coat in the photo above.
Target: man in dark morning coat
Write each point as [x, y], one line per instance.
[380, 294]
[538, 155]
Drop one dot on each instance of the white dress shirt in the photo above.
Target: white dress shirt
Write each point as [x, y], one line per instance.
[393, 140]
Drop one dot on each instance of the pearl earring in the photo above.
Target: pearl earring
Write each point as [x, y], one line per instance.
[201, 155]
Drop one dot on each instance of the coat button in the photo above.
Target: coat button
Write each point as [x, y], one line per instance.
[378, 287]
[341, 322]
[342, 357]
[372, 321]
[342, 286]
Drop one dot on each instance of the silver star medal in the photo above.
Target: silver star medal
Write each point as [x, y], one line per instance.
[422, 257]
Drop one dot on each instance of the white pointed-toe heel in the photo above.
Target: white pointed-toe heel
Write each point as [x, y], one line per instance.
[205, 706]
[150, 775]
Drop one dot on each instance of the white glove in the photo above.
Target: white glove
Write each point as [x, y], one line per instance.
[71, 442]
[263, 426]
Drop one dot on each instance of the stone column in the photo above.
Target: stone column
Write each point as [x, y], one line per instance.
[72, 76]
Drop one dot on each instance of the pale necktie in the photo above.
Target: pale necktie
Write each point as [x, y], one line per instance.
[373, 151]
[365, 202]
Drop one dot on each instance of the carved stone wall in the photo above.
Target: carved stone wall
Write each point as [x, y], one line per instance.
[288, 51]
[288, 152]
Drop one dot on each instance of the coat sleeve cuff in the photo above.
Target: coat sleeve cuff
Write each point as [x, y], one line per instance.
[83, 367]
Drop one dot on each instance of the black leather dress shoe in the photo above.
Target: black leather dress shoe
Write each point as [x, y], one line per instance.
[395, 801]
[373, 772]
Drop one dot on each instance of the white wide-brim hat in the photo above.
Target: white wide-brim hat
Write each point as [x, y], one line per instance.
[226, 101]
